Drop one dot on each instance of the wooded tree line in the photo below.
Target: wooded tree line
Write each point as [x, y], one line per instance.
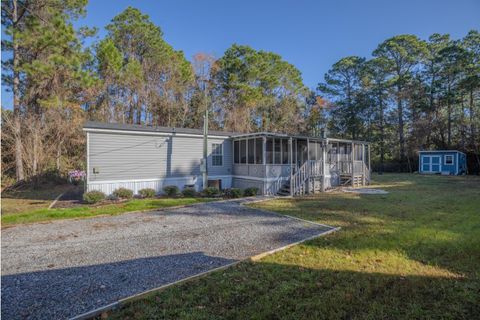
[413, 94]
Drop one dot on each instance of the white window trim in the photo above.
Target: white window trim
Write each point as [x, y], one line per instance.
[216, 154]
[445, 160]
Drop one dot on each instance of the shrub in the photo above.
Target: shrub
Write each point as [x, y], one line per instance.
[123, 193]
[233, 193]
[92, 197]
[112, 197]
[250, 192]
[147, 193]
[170, 190]
[211, 191]
[189, 192]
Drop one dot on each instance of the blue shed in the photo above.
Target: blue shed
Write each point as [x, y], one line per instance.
[450, 162]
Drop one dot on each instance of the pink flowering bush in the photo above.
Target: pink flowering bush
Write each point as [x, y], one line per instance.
[75, 176]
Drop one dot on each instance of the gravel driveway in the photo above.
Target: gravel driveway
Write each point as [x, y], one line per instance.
[64, 268]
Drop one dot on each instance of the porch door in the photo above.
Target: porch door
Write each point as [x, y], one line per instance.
[431, 163]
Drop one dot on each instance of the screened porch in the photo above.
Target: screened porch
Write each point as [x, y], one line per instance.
[307, 164]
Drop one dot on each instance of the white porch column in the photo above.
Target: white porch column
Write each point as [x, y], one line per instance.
[324, 163]
[369, 168]
[290, 159]
[363, 164]
[352, 153]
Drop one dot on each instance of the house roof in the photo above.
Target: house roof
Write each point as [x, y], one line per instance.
[103, 126]
[144, 128]
[430, 151]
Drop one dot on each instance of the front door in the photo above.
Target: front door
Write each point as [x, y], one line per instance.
[431, 163]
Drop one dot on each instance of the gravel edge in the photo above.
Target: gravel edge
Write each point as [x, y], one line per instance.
[118, 304]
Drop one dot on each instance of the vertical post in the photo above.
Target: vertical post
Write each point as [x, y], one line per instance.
[205, 149]
[308, 165]
[264, 162]
[338, 158]
[324, 155]
[369, 169]
[290, 159]
[264, 151]
[85, 184]
[352, 153]
[363, 164]
[296, 153]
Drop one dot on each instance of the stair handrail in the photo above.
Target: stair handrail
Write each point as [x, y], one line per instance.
[299, 178]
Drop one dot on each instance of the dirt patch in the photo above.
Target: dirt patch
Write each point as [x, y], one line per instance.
[364, 191]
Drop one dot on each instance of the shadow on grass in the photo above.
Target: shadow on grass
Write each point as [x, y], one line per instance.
[274, 291]
[432, 220]
[67, 292]
[43, 192]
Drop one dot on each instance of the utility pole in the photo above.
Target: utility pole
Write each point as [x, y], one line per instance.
[204, 167]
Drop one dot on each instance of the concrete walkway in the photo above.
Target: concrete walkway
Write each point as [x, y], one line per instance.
[64, 268]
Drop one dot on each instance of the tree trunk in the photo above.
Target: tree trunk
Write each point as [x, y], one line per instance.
[401, 137]
[382, 137]
[16, 101]
[472, 120]
[449, 118]
[58, 156]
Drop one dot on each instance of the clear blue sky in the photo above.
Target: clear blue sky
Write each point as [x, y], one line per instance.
[312, 35]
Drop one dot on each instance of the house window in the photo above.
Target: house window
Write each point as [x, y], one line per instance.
[448, 159]
[217, 154]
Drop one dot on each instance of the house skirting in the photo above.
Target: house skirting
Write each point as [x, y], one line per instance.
[266, 186]
[135, 185]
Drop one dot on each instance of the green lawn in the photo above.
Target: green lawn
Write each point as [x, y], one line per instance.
[411, 254]
[44, 214]
[31, 199]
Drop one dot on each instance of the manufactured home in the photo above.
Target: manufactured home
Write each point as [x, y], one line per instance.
[137, 157]
[446, 162]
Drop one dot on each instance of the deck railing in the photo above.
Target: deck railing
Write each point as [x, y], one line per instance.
[345, 167]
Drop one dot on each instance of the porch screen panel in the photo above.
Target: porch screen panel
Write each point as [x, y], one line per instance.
[277, 149]
[312, 153]
[243, 151]
[318, 153]
[236, 151]
[358, 152]
[332, 153]
[251, 151]
[258, 151]
[285, 151]
[269, 151]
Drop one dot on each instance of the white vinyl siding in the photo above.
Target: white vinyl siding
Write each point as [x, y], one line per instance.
[127, 156]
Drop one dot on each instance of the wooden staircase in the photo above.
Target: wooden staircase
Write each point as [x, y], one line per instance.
[301, 182]
[346, 180]
[305, 179]
[285, 189]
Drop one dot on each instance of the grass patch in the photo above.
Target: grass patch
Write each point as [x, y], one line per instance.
[413, 253]
[31, 199]
[44, 214]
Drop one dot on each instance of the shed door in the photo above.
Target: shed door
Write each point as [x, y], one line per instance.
[431, 163]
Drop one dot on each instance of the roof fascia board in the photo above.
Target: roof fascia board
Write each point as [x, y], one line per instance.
[152, 133]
